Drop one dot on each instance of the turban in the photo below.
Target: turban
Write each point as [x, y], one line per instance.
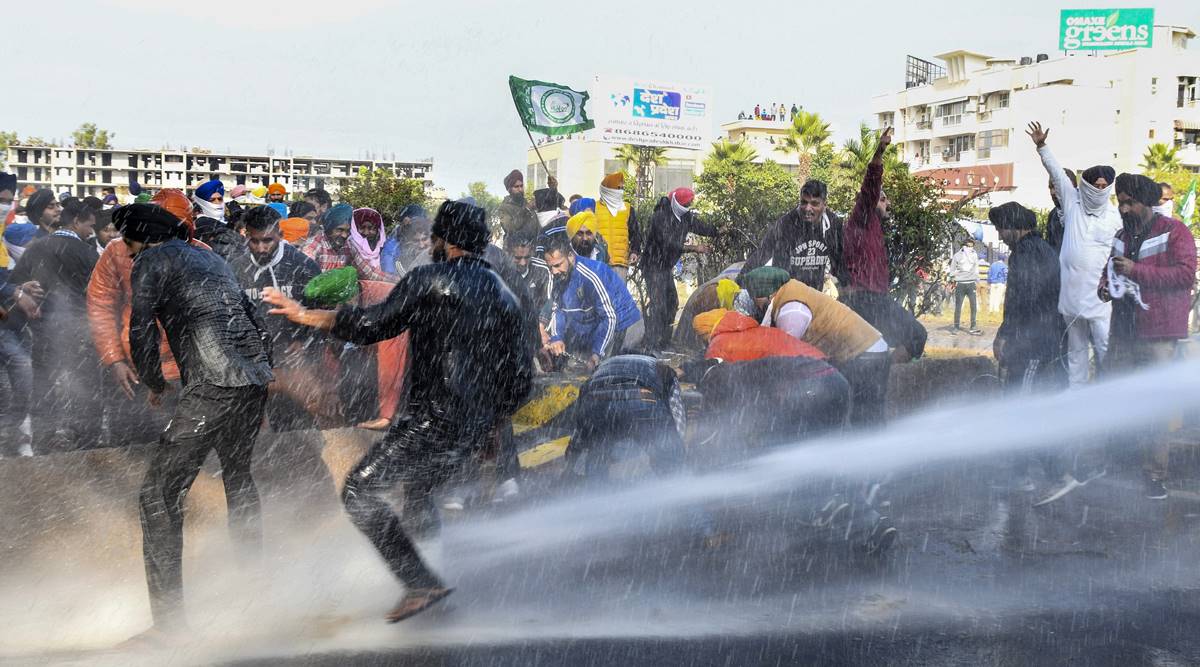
[19, 235]
[8, 182]
[148, 223]
[764, 281]
[142, 198]
[411, 211]
[276, 189]
[212, 187]
[176, 202]
[1141, 188]
[260, 192]
[581, 220]
[726, 292]
[37, 204]
[237, 191]
[1090, 175]
[683, 196]
[1012, 216]
[512, 179]
[583, 204]
[279, 208]
[294, 229]
[615, 181]
[337, 216]
[462, 225]
[705, 322]
[333, 287]
[28, 191]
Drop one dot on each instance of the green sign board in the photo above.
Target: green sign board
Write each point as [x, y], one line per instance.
[1105, 29]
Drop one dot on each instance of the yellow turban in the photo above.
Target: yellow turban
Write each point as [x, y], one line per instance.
[579, 221]
[726, 290]
[294, 229]
[705, 322]
[615, 180]
[259, 192]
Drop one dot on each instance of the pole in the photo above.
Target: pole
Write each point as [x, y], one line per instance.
[535, 150]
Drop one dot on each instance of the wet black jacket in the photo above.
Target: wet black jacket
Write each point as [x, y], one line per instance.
[805, 251]
[63, 265]
[1032, 327]
[1055, 229]
[664, 243]
[218, 236]
[211, 326]
[290, 274]
[469, 362]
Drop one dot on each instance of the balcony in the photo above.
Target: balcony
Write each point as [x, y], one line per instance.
[924, 125]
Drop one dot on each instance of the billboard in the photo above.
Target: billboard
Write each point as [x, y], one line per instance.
[648, 112]
[1105, 29]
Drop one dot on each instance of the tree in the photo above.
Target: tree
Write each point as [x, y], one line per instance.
[738, 152]
[485, 200]
[6, 139]
[643, 158]
[856, 153]
[1160, 157]
[381, 190]
[90, 136]
[805, 137]
[742, 199]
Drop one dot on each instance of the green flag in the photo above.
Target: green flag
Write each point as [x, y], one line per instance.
[1187, 205]
[548, 107]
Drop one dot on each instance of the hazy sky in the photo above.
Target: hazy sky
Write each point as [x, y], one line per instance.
[423, 79]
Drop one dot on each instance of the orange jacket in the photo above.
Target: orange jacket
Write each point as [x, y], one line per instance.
[740, 338]
[108, 304]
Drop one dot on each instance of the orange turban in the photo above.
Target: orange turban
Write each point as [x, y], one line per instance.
[177, 203]
[615, 181]
[276, 189]
[705, 322]
[294, 229]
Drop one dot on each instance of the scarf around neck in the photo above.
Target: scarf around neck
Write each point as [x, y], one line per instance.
[613, 198]
[1093, 199]
[362, 247]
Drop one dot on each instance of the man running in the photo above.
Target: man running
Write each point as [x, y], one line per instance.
[470, 369]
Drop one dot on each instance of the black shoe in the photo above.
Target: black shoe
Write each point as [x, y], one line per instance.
[975, 332]
[1155, 490]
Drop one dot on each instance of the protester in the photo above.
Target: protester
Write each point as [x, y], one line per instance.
[293, 230]
[704, 298]
[209, 198]
[595, 315]
[43, 211]
[303, 209]
[516, 218]
[581, 229]
[468, 373]
[332, 250]
[535, 275]
[547, 202]
[964, 271]
[997, 279]
[215, 233]
[1149, 281]
[320, 200]
[366, 239]
[806, 242]
[863, 272]
[1054, 220]
[672, 222]
[1166, 201]
[617, 224]
[276, 192]
[8, 192]
[395, 247]
[224, 358]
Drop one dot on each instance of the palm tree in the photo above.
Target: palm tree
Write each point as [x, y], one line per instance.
[804, 138]
[856, 153]
[1160, 157]
[736, 152]
[642, 157]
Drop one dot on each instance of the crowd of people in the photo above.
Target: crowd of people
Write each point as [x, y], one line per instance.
[776, 112]
[210, 320]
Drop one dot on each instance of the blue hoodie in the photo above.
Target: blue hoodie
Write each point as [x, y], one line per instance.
[592, 307]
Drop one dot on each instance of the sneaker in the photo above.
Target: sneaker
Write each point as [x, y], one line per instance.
[1067, 485]
[975, 332]
[1155, 490]
[506, 491]
[883, 536]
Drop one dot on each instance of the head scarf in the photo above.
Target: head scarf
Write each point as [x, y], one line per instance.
[148, 223]
[142, 198]
[362, 247]
[612, 192]
[276, 189]
[1012, 216]
[280, 208]
[615, 180]
[765, 281]
[1141, 188]
[583, 204]
[681, 199]
[462, 225]
[37, 204]
[238, 191]
[512, 179]
[337, 216]
[333, 287]
[706, 322]
[726, 291]
[206, 190]
[174, 201]
[581, 220]
[293, 230]
[260, 192]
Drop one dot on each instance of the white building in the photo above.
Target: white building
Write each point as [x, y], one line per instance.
[965, 122]
[86, 171]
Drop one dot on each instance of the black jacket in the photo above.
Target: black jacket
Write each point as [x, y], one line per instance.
[218, 236]
[664, 243]
[211, 326]
[1055, 229]
[805, 251]
[468, 360]
[289, 272]
[63, 265]
[1032, 327]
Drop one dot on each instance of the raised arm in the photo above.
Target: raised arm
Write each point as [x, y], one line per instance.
[872, 184]
[1068, 196]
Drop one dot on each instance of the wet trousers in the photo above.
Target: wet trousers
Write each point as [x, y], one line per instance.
[1083, 337]
[1128, 356]
[224, 419]
[16, 364]
[867, 375]
[965, 290]
[421, 452]
[66, 412]
[898, 326]
[661, 306]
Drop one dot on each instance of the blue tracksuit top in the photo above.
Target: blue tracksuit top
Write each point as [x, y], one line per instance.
[593, 306]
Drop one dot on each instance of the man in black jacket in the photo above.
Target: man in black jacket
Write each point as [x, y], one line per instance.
[670, 225]
[1054, 222]
[225, 365]
[806, 242]
[219, 236]
[65, 411]
[470, 370]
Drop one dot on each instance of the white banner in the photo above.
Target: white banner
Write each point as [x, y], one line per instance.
[648, 112]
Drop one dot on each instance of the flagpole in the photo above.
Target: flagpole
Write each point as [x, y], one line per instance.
[535, 148]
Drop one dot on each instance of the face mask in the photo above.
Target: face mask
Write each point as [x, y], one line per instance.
[1165, 209]
[4, 209]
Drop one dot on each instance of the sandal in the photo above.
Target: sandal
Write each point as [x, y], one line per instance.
[415, 602]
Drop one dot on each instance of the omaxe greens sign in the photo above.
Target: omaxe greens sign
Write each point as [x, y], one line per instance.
[1105, 29]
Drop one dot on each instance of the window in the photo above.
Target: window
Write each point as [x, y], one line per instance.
[535, 175]
[1187, 92]
[986, 141]
[1151, 136]
[675, 174]
[951, 114]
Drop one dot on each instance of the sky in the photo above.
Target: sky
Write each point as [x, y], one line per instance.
[429, 79]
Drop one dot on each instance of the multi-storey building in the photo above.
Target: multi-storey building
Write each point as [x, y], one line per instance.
[964, 121]
[86, 171]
